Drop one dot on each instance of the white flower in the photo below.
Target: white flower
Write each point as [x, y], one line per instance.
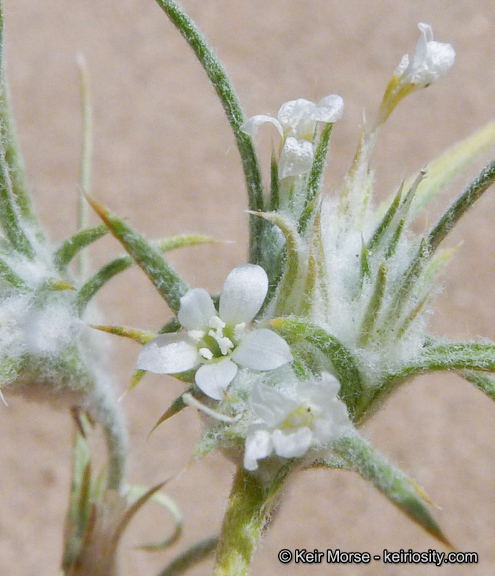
[218, 341]
[296, 124]
[291, 423]
[431, 61]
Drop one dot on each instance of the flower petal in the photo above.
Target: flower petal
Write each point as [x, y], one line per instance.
[329, 109]
[168, 354]
[196, 309]
[296, 158]
[214, 378]
[270, 405]
[244, 292]
[258, 446]
[333, 424]
[431, 61]
[296, 117]
[252, 124]
[292, 443]
[262, 350]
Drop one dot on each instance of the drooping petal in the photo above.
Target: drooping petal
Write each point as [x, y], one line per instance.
[329, 109]
[168, 354]
[296, 118]
[251, 126]
[258, 446]
[270, 405]
[196, 309]
[321, 392]
[262, 350]
[292, 443]
[214, 378]
[431, 61]
[333, 424]
[296, 158]
[244, 292]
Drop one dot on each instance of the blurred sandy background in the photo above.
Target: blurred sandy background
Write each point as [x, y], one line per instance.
[164, 157]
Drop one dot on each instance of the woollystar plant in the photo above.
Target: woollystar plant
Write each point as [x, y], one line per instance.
[307, 339]
[329, 317]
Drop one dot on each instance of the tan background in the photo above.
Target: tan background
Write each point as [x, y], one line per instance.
[164, 157]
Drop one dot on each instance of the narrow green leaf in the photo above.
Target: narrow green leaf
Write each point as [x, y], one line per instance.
[394, 221]
[458, 356]
[459, 207]
[292, 241]
[129, 515]
[86, 158]
[9, 275]
[450, 356]
[436, 357]
[374, 306]
[173, 325]
[11, 150]
[195, 554]
[394, 484]
[139, 336]
[394, 241]
[121, 263]
[409, 319]
[316, 175]
[135, 493]
[445, 168]
[346, 370]
[10, 217]
[385, 222]
[77, 242]
[316, 295]
[98, 280]
[365, 272]
[2, 23]
[15, 163]
[484, 382]
[406, 286]
[274, 203]
[177, 406]
[168, 283]
[221, 82]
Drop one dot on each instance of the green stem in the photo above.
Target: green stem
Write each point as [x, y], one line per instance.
[12, 152]
[243, 525]
[454, 213]
[109, 413]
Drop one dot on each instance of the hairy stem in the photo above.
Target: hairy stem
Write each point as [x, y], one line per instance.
[243, 525]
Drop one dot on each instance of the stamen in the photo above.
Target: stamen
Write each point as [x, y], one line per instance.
[196, 335]
[216, 323]
[191, 401]
[225, 344]
[206, 353]
[239, 330]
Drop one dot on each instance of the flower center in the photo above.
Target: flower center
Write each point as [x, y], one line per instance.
[220, 340]
[303, 415]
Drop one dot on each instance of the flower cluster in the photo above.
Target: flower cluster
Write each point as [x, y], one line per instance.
[349, 292]
[286, 419]
[296, 123]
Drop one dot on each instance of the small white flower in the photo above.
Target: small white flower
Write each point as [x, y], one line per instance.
[296, 122]
[291, 423]
[431, 61]
[218, 341]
